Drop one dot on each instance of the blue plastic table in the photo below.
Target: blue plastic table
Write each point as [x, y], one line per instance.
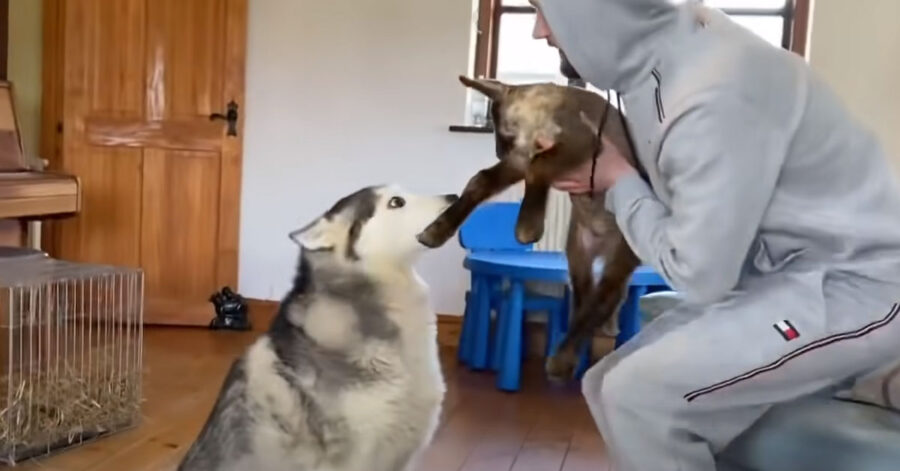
[551, 267]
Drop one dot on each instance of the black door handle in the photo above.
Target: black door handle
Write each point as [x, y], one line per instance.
[230, 116]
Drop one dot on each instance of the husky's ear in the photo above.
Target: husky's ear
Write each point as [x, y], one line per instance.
[320, 234]
[492, 89]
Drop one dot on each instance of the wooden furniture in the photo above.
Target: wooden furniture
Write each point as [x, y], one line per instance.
[34, 195]
[27, 194]
[143, 100]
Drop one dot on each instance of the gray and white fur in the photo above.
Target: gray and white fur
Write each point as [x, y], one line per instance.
[347, 377]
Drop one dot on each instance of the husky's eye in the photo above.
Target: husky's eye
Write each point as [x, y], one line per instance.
[396, 202]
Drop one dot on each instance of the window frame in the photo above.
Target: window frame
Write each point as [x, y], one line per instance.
[490, 18]
[796, 14]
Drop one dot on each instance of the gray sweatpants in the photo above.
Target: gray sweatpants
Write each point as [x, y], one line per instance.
[695, 378]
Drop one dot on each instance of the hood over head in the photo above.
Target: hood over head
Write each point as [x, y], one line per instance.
[611, 43]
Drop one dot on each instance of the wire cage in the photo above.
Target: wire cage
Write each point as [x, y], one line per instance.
[71, 338]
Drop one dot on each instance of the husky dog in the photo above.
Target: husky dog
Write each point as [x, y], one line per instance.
[347, 377]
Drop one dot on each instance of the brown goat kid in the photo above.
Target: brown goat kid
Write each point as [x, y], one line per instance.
[542, 132]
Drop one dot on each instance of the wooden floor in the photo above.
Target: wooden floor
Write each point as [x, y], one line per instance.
[541, 428]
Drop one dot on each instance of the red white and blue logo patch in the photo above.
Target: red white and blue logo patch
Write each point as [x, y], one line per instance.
[787, 330]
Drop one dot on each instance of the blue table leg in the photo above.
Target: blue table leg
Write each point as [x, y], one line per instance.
[524, 345]
[508, 377]
[499, 336]
[464, 354]
[482, 322]
[630, 315]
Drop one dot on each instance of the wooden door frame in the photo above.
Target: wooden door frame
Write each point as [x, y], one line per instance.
[232, 152]
[4, 39]
[230, 180]
[51, 101]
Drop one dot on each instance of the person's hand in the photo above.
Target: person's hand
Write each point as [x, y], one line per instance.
[611, 166]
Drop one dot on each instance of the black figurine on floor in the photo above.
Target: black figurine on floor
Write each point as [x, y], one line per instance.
[231, 311]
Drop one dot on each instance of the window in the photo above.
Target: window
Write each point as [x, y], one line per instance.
[505, 50]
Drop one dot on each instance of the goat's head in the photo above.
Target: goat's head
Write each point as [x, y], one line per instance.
[542, 120]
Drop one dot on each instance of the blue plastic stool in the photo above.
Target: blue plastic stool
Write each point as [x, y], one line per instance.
[557, 321]
[552, 267]
[491, 228]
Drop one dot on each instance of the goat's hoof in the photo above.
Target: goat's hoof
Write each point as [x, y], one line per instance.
[528, 236]
[561, 366]
[432, 237]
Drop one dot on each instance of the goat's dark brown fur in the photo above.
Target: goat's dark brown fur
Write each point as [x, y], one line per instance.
[542, 132]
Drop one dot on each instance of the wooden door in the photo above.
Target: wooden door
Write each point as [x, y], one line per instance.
[137, 85]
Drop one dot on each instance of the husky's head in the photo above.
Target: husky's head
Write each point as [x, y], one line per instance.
[377, 223]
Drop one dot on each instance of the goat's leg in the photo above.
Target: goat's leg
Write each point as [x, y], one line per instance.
[482, 186]
[580, 254]
[603, 302]
[530, 225]
[542, 170]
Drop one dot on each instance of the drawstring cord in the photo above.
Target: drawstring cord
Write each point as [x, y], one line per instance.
[599, 136]
[628, 138]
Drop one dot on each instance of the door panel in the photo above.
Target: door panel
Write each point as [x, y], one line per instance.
[102, 80]
[161, 179]
[187, 56]
[180, 212]
[113, 73]
[168, 134]
[108, 229]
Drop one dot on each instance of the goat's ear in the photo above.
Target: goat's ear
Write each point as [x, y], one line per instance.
[493, 89]
[544, 143]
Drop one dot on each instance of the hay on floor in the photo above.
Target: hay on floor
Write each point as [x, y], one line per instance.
[44, 411]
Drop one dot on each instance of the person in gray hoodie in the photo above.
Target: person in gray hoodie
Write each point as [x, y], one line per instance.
[766, 205]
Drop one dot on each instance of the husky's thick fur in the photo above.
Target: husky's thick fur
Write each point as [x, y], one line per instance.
[347, 378]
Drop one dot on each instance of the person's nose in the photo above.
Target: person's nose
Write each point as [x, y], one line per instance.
[540, 31]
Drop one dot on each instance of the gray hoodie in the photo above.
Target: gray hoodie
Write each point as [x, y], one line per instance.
[754, 164]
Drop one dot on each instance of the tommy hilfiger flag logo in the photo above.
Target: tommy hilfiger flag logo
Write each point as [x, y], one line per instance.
[787, 330]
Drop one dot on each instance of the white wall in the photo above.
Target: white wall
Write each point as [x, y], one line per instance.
[24, 68]
[343, 94]
[855, 45]
[346, 93]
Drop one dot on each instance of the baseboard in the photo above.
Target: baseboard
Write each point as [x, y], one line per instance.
[261, 312]
[449, 328]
